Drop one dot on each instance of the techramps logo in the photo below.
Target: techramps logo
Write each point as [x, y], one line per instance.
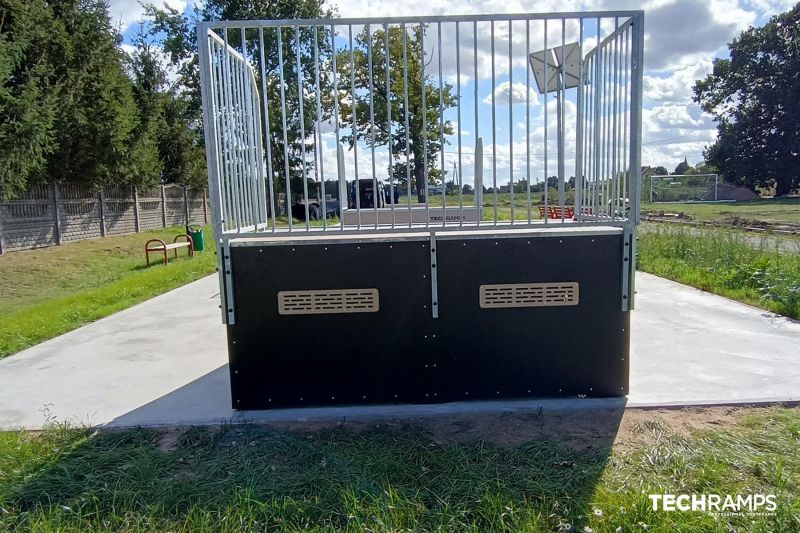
[717, 504]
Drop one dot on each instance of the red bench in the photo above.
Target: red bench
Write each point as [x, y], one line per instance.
[554, 211]
[162, 246]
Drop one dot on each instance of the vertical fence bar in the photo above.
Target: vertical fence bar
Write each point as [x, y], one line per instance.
[300, 102]
[375, 196]
[544, 114]
[241, 147]
[458, 99]
[441, 126]
[597, 96]
[319, 171]
[209, 65]
[252, 117]
[576, 200]
[232, 144]
[389, 120]
[343, 202]
[424, 113]
[494, 130]
[511, 117]
[272, 197]
[478, 195]
[528, 118]
[405, 107]
[561, 95]
[617, 129]
[357, 184]
[283, 121]
[636, 114]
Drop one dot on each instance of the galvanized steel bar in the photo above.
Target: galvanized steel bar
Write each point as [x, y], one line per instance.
[424, 113]
[494, 133]
[511, 117]
[441, 126]
[458, 98]
[353, 106]
[285, 129]
[300, 101]
[372, 123]
[265, 98]
[319, 167]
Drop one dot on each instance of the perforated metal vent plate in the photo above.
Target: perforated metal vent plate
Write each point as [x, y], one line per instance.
[529, 295]
[329, 301]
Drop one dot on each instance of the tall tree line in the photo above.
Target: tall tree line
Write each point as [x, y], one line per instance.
[755, 98]
[74, 107]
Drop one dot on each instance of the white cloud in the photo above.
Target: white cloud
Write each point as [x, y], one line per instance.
[517, 91]
[127, 12]
[677, 86]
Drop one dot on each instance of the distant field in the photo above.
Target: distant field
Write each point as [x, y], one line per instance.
[774, 211]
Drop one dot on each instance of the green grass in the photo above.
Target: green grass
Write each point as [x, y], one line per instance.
[724, 262]
[775, 211]
[392, 478]
[47, 292]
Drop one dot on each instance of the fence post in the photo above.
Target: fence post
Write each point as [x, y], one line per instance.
[101, 198]
[56, 213]
[163, 207]
[137, 222]
[205, 207]
[186, 204]
[1, 231]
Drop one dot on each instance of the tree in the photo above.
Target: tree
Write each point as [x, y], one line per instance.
[27, 106]
[96, 116]
[149, 82]
[177, 35]
[165, 133]
[423, 143]
[754, 98]
[682, 167]
[67, 109]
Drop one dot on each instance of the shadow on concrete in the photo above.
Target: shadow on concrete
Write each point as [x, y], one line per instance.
[206, 400]
[483, 470]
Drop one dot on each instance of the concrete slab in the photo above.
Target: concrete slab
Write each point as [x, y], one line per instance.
[163, 362]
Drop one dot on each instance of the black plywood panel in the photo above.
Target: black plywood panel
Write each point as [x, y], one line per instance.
[402, 354]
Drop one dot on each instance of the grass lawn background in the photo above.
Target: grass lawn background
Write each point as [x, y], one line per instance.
[523, 472]
[49, 291]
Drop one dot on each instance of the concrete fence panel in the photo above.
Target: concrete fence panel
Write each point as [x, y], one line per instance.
[52, 214]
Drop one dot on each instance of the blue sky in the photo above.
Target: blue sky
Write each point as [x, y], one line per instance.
[682, 37]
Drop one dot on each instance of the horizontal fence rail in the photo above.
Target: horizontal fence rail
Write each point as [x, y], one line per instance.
[353, 125]
[53, 214]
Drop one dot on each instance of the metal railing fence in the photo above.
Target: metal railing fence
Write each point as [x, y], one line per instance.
[416, 123]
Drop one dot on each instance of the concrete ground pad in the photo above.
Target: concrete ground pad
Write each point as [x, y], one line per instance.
[163, 362]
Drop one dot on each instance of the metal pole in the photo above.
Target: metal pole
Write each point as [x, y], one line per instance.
[560, 110]
[102, 201]
[186, 204]
[163, 206]
[137, 222]
[56, 213]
